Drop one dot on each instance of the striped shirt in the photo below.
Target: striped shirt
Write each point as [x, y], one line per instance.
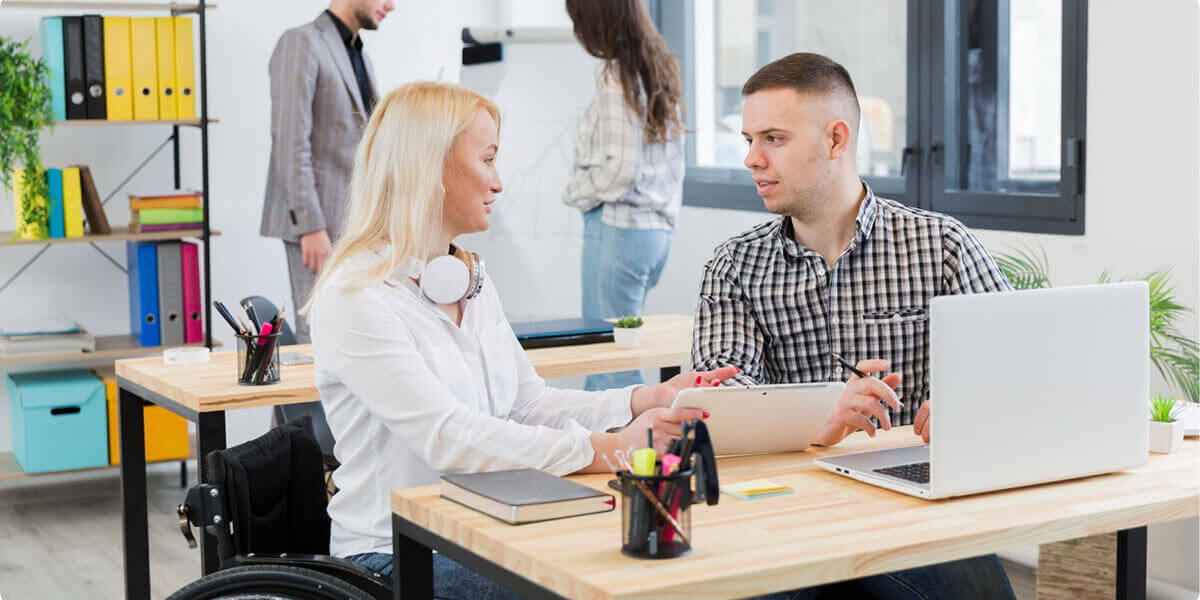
[639, 185]
[776, 310]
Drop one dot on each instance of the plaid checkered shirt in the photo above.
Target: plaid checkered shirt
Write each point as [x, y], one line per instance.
[638, 185]
[776, 310]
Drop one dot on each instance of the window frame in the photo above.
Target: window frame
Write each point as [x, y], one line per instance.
[924, 157]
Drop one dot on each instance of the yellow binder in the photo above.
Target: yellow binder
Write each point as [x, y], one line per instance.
[118, 93]
[72, 203]
[165, 32]
[185, 69]
[144, 67]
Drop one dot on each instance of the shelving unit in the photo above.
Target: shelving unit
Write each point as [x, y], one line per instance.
[119, 234]
[112, 347]
[117, 122]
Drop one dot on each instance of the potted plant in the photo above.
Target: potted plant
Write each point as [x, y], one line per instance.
[24, 111]
[1166, 432]
[627, 333]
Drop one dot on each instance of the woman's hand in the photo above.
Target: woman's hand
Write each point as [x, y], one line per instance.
[667, 424]
[662, 395]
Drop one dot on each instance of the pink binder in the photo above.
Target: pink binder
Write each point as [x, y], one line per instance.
[193, 325]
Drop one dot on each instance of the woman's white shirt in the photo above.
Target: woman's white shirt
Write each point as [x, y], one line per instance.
[409, 395]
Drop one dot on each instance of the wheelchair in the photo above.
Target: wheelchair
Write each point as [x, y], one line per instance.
[265, 504]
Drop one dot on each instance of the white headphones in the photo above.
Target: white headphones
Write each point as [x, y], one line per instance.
[450, 277]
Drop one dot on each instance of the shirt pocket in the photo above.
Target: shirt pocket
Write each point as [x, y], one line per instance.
[901, 336]
[899, 315]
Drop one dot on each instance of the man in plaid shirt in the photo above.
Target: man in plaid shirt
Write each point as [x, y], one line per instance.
[842, 271]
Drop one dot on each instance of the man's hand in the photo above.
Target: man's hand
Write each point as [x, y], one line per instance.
[314, 248]
[859, 402]
[921, 422]
[662, 395]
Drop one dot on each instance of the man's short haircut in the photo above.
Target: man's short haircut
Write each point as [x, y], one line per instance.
[807, 73]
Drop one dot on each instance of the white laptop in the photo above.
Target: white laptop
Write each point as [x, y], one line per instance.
[763, 418]
[1027, 387]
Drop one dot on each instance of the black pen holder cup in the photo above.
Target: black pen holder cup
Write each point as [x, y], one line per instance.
[258, 359]
[645, 533]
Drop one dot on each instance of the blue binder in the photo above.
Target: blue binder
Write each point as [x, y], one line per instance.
[143, 292]
[52, 55]
[54, 182]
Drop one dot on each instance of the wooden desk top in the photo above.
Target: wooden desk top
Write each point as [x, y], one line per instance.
[831, 528]
[667, 342]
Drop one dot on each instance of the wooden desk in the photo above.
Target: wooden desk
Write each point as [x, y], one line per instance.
[202, 394]
[830, 529]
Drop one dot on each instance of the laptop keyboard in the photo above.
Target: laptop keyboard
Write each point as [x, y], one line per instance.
[916, 472]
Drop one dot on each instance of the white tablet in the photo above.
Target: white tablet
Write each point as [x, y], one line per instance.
[765, 418]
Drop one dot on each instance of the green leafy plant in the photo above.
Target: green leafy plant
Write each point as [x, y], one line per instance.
[1172, 353]
[1163, 409]
[24, 110]
[1025, 268]
[629, 322]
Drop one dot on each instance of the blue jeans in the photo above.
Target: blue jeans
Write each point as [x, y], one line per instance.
[619, 266]
[979, 578]
[451, 581]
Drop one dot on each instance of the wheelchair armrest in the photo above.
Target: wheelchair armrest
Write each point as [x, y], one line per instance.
[349, 571]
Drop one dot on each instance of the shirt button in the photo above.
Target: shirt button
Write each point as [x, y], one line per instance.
[836, 320]
[839, 370]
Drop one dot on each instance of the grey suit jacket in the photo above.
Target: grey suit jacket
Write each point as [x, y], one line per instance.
[317, 117]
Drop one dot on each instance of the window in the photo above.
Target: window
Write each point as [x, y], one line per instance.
[969, 107]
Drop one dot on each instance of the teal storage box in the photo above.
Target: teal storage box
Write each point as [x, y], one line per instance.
[59, 420]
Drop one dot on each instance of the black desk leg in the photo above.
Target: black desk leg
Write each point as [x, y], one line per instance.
[1131, 564]
[133, 495]
[210, 435]
[412, 566]
[666, 373]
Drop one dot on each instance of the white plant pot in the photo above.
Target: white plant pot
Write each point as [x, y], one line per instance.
[627, 337]
[1166, 438]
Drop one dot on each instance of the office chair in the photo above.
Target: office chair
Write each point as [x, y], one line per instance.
[266, 311]
[268, 498]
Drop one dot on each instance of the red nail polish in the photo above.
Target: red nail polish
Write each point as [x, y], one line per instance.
[716, 383]
[706, 415]
[737, 370]
[698, 380]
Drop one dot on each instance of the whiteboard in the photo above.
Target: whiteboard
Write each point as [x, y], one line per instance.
[532, 250]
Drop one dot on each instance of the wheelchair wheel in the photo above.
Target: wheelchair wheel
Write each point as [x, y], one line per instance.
[269, 582]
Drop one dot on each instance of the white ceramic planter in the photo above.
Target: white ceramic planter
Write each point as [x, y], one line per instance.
[1166, 438]
[627, 337]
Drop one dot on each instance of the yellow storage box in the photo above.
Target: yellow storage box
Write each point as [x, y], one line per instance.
[166, 432]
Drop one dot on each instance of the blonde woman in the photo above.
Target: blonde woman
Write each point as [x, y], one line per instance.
[417, 383]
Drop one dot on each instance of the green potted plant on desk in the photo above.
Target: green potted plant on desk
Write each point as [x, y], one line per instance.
[24, 110]
[627, 333]
[1166, 430]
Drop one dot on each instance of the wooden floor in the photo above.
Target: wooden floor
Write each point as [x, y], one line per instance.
[63, 540]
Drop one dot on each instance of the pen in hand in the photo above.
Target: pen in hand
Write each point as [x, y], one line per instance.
[849, 365]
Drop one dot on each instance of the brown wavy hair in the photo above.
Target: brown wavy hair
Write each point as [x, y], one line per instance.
[621, 33]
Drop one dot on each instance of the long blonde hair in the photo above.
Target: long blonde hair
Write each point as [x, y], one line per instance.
[396, 192]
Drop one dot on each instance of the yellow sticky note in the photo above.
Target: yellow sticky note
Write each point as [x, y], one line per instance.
[755, 488]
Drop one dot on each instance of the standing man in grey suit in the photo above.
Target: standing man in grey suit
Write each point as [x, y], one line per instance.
[322, 92]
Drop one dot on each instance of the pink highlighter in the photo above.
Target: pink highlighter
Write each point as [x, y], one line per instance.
[670, 463]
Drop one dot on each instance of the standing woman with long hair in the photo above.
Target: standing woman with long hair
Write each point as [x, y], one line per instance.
[628, 178]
